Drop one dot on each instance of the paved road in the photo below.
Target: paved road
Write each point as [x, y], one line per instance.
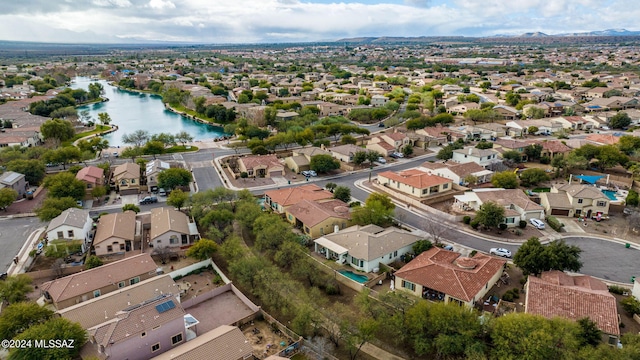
[13, 234]
[606, 259]
[206, 178]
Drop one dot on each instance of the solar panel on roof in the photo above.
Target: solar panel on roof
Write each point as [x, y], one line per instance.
[165, 306]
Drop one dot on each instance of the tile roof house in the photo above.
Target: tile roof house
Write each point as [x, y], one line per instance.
[111, 303]
[171, 228]
[71, 224]
[458, 173]
[15, 181]
[435, 136]
[575, 200]
[279, 200]
[300, 158]
[482, 157]
[141, 331]
[366, 247]
[92, 176]
[345, 153]
[88, 284]
[414, 182]
[555, 293]
[261, 166]
[126, 178]
[116, 233]
[226, 342]
[386, 144]
[552, 148]
[603, 139]
[318, 218]
[153, 168]
[516, 203]
[442, 275]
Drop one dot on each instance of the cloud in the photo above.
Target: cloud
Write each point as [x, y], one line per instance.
[161, 4]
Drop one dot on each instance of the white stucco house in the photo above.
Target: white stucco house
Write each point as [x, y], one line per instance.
[72, 224]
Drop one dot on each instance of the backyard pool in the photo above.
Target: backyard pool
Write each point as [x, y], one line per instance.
[355, 277]
[610, 194]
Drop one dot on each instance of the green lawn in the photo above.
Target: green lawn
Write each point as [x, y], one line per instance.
[180, 148]
[98, 129]
[539, 190]
[192, 113]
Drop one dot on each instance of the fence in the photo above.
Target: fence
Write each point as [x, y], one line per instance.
[277, 325]
[187, 269]
[67, 270]
[206, 296]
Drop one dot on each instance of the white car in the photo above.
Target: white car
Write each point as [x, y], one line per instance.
[538, 224]
[382, 160]
[500, 252]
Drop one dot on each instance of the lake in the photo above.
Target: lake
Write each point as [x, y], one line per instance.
[133, 111]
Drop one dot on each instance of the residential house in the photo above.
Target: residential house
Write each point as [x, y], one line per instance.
[92, 283]
[142, 330]
[482, 157]
[458, 173]
[330, 109]
[345, 153]
[171, 228]
[415, 183]
[576, 122]
[552, 148]
[463, 108]
[575, 200]
[504, 145]
[545, 127]
[316, 218]
[301, 158]
[226, 342]
[603, 139]
[507, 112]
[92, 176]
[110, 304]
[366, 247]
[386, 144]
[612, 103]
[153, 169]
[117, 233]
[433, 136]
[261, 166]
[279, 200]
[556, 294]
[379, 100]
[596, 92]
[15, 181]
[72, 224]
[126, 178]
[494, 130]
[443, 275]
[286, 115]
[517, 205]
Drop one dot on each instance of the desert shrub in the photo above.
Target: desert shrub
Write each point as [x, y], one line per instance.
[619, 290]
[631, 305]
[522, 224]
[554, 223]
[502, 226]
[474, 224]
[466, 220]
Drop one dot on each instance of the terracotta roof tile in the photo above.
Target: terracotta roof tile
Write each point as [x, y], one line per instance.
[416, 178]
[311, 213]
[290, 196]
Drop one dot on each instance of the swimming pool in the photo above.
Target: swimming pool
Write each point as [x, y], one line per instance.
[355, 277]
[610, 194]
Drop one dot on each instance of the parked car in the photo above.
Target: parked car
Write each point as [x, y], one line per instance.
[309, 173]
[381, 125]
[382, 160]
[448, 247]
[162, 192]
[397, 155]
[538, 224]
[500, 252]
[80, 203]
[148, 200]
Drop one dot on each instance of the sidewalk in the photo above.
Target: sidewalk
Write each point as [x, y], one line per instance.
[24, 260]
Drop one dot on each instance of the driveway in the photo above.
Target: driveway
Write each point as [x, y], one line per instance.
[13, 234]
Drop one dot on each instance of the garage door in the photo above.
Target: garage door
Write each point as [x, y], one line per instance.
[560, 212]
[275, 173]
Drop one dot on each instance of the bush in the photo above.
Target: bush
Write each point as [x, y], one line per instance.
[522, 224]
[545, 160]
[474, 224]
[502, 226]
[631, 305]
[244, 175]
[518, 232]
[332, 288]
[554, 223]
[511, 294]
[466, 220]
[619, 290]
[473, 253]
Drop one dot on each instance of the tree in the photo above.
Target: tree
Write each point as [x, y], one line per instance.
[373, 156]
[533, 176]
[512, 155]
[609, 156]
[484, 145]
[19, 316]
[104, 118]
[323, 163]
[131, 207]
[342, 193]
[407, 150]
[98, 192]
[532, 129]
[589, 333]
[183, 137]
[52, 207]
[174, 177]
[137, 138]
[534, 258]
[203, 249]
[533, 151]
[57, 129]
[57, 328]
[490, 214]
[65, 184]
[505, 179]
[378, 210]
[359, 157]
[633, 199]
[620, 120]
[7, 197]
[163, 253]
[33, 170]
[92, 262]
[15, 288]
[177, 198]
[421, 246]
[330, 186]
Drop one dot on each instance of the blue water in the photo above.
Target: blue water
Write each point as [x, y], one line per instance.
[353, 276]
[133, 111]
[610, 194]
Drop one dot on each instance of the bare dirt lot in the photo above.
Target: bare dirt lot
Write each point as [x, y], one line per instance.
[265, 339]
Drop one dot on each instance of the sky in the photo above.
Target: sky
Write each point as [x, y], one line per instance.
[276, 21]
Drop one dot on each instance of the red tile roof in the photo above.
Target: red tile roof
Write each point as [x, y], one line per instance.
[312, 213]
[90, 174]
[603, 139]
[416, 178]
[290, 196]
[447, 272]
[572, 297]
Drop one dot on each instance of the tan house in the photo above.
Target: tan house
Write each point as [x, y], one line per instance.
[433, 136]
[443, 275]
[92, 176]
[89, 284]
[575, 200]
[517, 205]
[117, 233]
[279, 200]
[15, 181]
[171, 228]
[316, 218]
[226, 342]
[415, 182]
[458, 173]
[553, 148]
[126, 178]
[482, 157]
[556, 294]
[386, 144]
[345, 153]
[261, 166]
[153, 169]
[301, 158]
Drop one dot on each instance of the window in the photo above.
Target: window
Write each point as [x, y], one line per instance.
[395, 253]
[185, 239]
[121, 247]
[159, 241]
[109, 248]
[89, 186]
[96, 293]
[425, 191]
[155, 347]
[123, 182]
[306, 230]
[354, 261]
[445, 186]
[408, 285]
[135, 280]
[176, 339]
[173, 239]
[579, 201]
[602, 203]
[121, 284]
[60, 235]
[578, 212]
[509, 220]
[143, 334]
[70, 234]
[133, 181]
